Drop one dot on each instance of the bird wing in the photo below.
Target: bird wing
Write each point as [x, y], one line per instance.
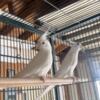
[36, 66]
[68, 65]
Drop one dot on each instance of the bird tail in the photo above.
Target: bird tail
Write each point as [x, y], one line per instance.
[45, 91]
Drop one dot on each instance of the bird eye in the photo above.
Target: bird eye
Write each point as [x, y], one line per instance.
[43, 42]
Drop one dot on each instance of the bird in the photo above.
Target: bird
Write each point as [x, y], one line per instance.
[67, 68]
[40, 65]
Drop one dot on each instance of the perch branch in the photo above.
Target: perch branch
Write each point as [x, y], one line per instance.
[17, 82]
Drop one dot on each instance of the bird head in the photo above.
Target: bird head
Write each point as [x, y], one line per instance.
[75, 45]
[43, 42]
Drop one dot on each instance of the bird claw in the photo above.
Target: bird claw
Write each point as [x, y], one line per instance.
[74, 79]
[43, 78]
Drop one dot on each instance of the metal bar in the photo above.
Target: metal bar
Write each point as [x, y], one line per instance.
[18, 22]
[91, 41]
[94, 49]
[54, 65]
[76, 24]
[51, 4]
[75, 34]
[17, 82]
[88, 37]
[15, 57]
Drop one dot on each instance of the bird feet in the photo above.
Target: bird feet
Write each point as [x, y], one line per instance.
[43, 78]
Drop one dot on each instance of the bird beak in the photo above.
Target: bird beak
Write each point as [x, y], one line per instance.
[36, 48]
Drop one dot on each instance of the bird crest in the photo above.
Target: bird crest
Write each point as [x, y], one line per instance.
[44, 36]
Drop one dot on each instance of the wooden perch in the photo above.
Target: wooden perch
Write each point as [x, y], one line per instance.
[17, 82]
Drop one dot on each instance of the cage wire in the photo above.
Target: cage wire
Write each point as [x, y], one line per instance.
[16, 50]
[87, 33]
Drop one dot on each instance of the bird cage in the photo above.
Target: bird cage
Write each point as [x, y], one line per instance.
[87, 33]
[17, 44]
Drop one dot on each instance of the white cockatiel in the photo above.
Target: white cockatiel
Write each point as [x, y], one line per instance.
[41, 63]
[67, 68]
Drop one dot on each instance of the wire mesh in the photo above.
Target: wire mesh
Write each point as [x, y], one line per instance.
[88, 34]
[16, 51]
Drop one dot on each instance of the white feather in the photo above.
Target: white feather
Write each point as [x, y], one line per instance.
[41, 63]
[67, 67]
